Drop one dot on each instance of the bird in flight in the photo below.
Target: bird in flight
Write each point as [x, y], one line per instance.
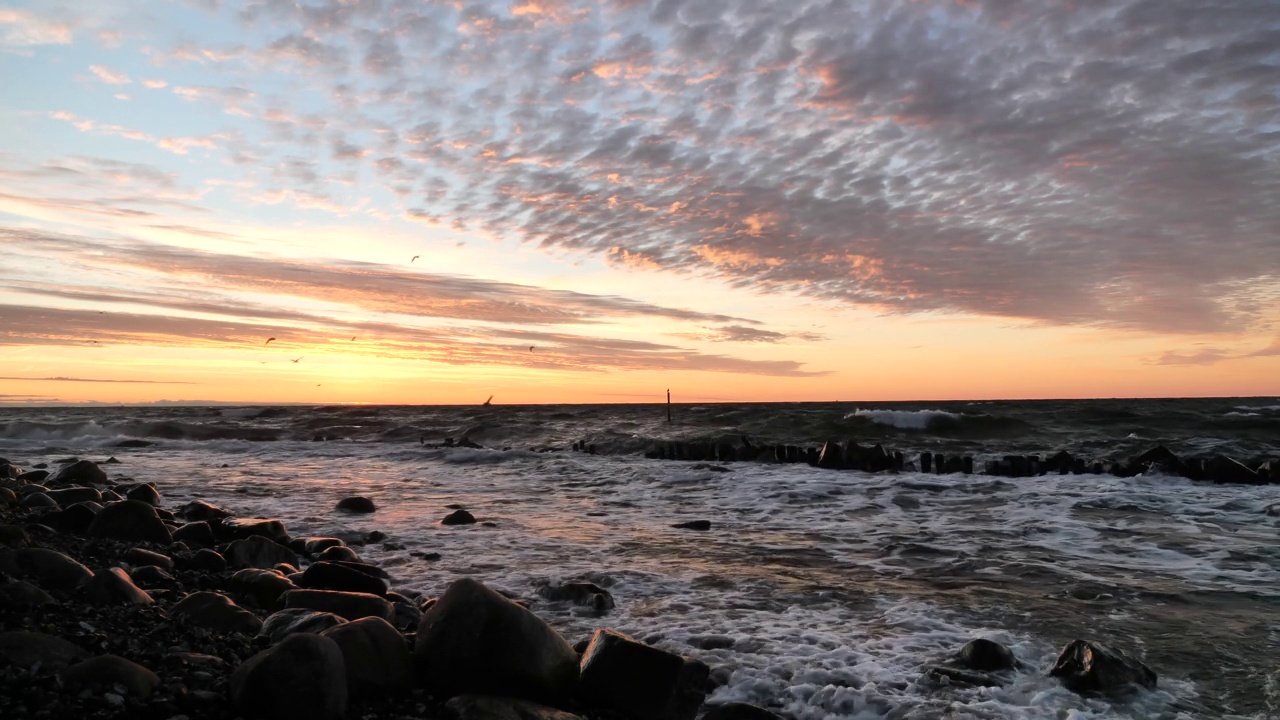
[530, 348]
[415, 257]
[353, 337]
[294, 361]
[268, 342]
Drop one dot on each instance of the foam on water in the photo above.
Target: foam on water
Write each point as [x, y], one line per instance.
[905, 419]
[824, 593]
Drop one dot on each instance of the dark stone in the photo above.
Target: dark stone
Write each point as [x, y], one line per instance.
[34, 476]
[114, 586]
[263, 588]
[257, 551]
[207, 560]
[331, 576]
[72, 495]
[376, 656]
[350, 605]
[146, 492]
[130, 520]
[215, 611]
[986, 655]
[1093, 668]
[75, 520]
[105, 672]
[28, 650]
[195, 533]
[313, 545]
[338, 553]
[13, 536]
[48, 568]
[200, 510]
[739, 711]
[474, 640]
[303, 677]
[458, 517]
[150, 576]
[693, 525]
[35, 500]
[255, 527]
[489, 707]
[142, 556]
[832, 455]
[1222, 469]
[284, 623]
[22, 595]
[580, 593]
[80, 471]
[640, 681]
[356, 504]
[1160, 455]
[7, 496]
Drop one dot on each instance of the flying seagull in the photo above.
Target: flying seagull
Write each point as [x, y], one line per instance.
[353, 337]
[294, 361]
[415, 257]
[268, 342]
[530, 348]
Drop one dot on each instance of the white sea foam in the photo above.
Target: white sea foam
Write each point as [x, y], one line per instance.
[904, 419]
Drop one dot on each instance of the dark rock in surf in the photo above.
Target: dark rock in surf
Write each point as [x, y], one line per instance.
[106, 672]
[195, 533]
[640, 681]
[586, 594]
[1222, 469]
[145, 492]
[331, 576]
[693, 525]
[284, 623]
[986, 655]
[200, 510]
[130, 520]
[357, 504]
[215, 611]
[350, 605]
[256, 551]
[313, 545]
[832, 455]
[474, 640]
[49, 569]
[81, 471]
[1093, 668]
[491, 707]
[376, 655]
[114, 586]
[458, 517]
[301, 678]
[739, 711]
[242, 528]
[338, 553]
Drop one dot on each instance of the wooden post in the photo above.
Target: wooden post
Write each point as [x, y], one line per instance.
[668, 406]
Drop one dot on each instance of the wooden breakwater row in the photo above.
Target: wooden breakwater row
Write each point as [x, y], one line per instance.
[852, 456]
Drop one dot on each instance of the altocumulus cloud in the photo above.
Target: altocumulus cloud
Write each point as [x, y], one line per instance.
[1102, 164]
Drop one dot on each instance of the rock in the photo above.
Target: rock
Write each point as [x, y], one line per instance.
[285, 569]
[146, 492]
[207, 560]
[739, 711]
[350, 605]
[474, 640]
[9, 470]
[75, 519]
[338, 553]
[195, 533]
[263, 587]
[284, 623]
[986, 655]
[961, 678]
[640, 681]
[693, 525]
[130, 520]
[331, 576]
[13, 536]
[72, 495]
[376, 656]
[7, 496]
[35, 500]
[488, 707]
[580, 593]
[215, 611]
[257, 551]
[22, 595]
[48, 568]
[1159, 455]
[150, 576]
[313, 545]
[141, 556]
[113, 586]
[255, 527]
[30, 649]
[406, 616]
[1222, 469]
[34, 476]
[199, 510]
[356, 504]
[107, 671]
[81, 471]
[1087, 667]
[301, 678]
[458, 517]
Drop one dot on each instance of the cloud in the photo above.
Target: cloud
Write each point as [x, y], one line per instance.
[23, 28]
[1207, 356]
[1269, 351]
[109, 76]
[99, 380]
[745, 334]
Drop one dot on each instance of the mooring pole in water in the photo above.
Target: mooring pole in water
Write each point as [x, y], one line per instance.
[668, 405]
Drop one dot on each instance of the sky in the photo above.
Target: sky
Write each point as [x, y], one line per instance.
[571, 202]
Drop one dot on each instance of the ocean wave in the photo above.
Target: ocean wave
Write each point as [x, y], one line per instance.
[163, 430]
[906, 419]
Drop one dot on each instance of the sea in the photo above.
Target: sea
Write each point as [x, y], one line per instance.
[817, 593]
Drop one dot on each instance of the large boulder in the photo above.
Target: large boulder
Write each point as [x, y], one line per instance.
[144, 492]
[81, 471]
[338, 553]
[141, 556]
[130, 520]
[196, 533]
[75, 519]
[639, 681]
[36, 501]
[49, 569]
[108, 671]
[459, 517]
[258, 551]
[22, 595]
[1093, 668]
[284, 623]
[264, 588]
[215, 611]
[350, 605]
[150, 576]
[376, 655]
[255, 527]
[332, 576]
[206, 560]
[29, 649]
[356, 504]
[474, 640]
[13, 536]
[313, 545]
[199, 510]
[986, 656]
[72, 495]
[586, 594]
[488, 707]
[114, 586]
[301, 678]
